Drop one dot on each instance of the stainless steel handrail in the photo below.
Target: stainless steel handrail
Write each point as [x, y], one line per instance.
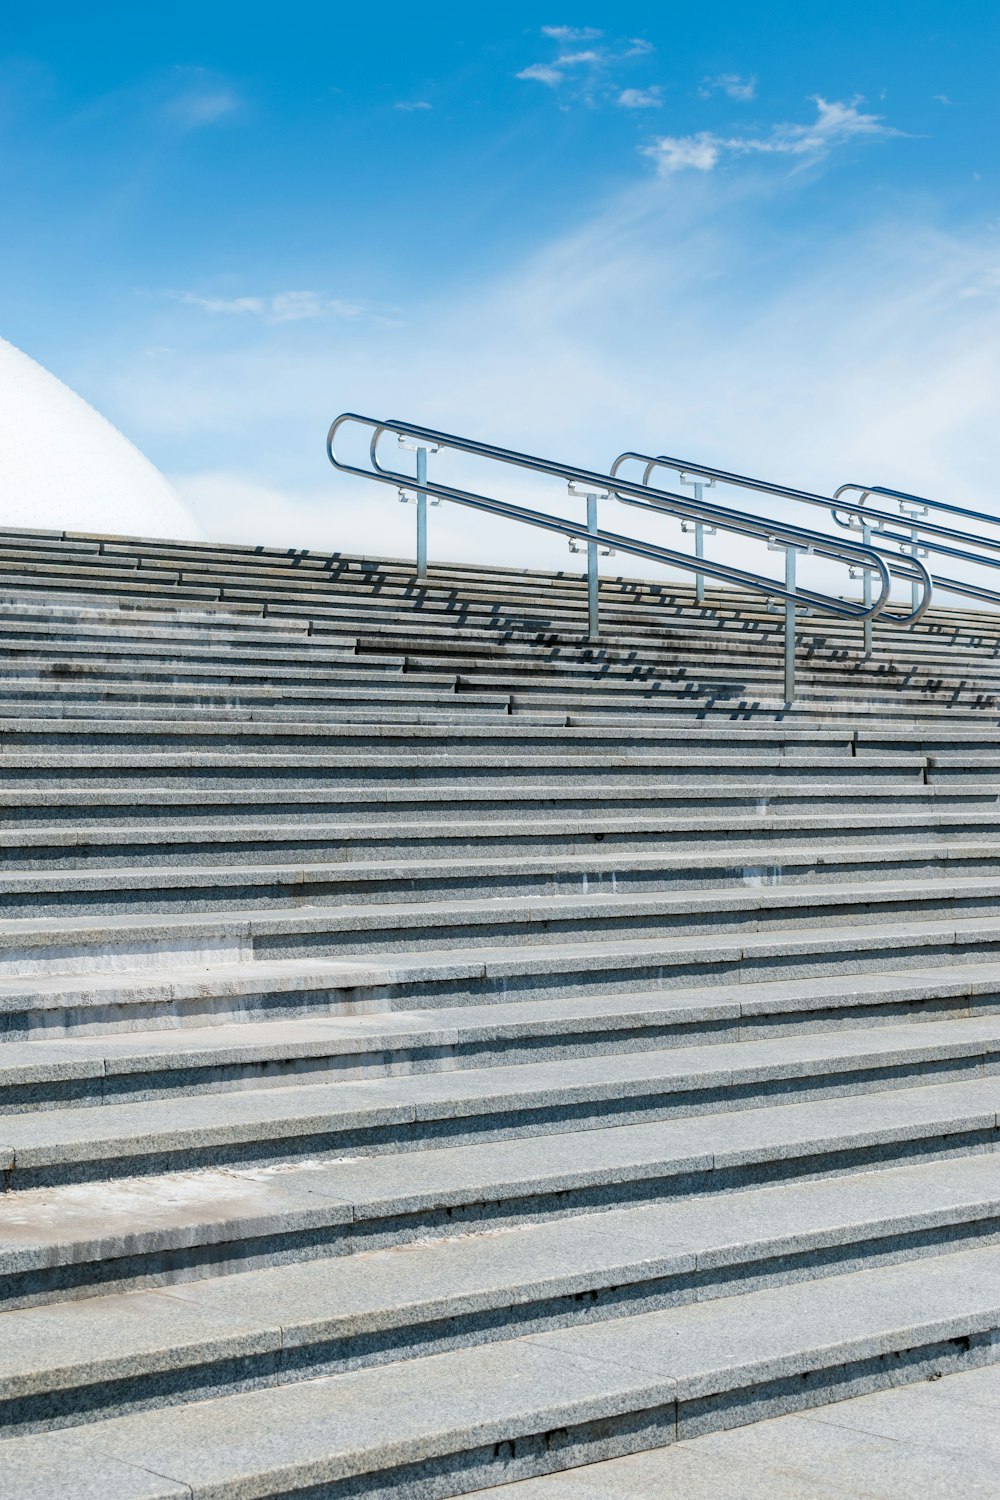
[791, 538]
[906, 567]
[923, 532]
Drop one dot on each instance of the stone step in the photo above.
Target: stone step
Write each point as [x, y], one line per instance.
[93, 642]
[408, 1114]
[554, 1399]
[178, 885]
[96, 751]
[777, 840]
[73, 957]
[559, 732]
[83, 1238]
[73, 1055]
[301, 659]
[321, 925]
[479, 806]
[649, 737]
[70, 1362]
[930, 1438]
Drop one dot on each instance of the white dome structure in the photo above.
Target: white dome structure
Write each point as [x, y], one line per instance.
[63, 467]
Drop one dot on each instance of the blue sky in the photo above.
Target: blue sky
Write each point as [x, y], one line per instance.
[764, 235]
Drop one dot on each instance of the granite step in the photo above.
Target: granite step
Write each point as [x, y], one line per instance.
[451, 1422]
[80, 1239]
[74, 1054]
[70, 1362]
[480, 807]
[767, 838]
[173, 885]
[117, 975]
[410, 1113]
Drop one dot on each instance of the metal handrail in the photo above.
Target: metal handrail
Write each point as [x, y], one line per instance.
[594, 485]
[909, 567]
[926, 532]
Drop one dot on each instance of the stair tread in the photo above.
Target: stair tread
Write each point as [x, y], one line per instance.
[414, 1411]
[82, 1056]
[309, 1109]
[71, 1223]
[483, 912]
[52, 1346]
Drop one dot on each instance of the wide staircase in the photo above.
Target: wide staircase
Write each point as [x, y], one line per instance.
[438, 1049]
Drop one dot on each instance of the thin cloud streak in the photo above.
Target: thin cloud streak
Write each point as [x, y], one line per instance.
[639, 99]
[837, 123]
[730, 84]
[571, 33]
[280, 307]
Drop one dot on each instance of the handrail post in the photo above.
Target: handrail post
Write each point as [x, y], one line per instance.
[593, 623]
[913, 513]
[421, 514]
[789, 627]
[594, 550]
[699, 549]
[866, 537]
[698, 527]
[420, 494]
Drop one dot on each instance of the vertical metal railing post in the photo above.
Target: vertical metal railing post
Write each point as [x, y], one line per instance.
[593, 586]
[594, 552]
[699, 550]
[700, 529]
[790, 627]
[866, 537]
[421, 513]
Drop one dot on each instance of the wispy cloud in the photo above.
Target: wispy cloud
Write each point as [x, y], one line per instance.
[731, 84]
[541, 73]
[408, 105]
[585, 72]
[279, 307]
[639, 98]
[836, 124]
[571, 33]
[578, 59]
[673, 153]
[199, 98]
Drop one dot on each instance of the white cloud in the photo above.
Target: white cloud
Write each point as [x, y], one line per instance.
[224, 304]
[639, 98]
[674, 153]
[541, 73]
[415, 104]
[578, 59]
[836, 124]
[281, 307]
[200, 98]
[732, 84]
[594, 63]
[571, 33]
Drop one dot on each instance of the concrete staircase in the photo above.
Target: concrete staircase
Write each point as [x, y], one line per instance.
[437, 1050]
